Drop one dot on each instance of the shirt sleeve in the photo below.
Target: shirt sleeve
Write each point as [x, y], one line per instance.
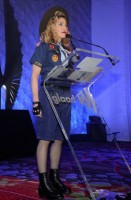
[38, 57]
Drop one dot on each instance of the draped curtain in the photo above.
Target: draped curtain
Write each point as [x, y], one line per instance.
[127, 47]
[111, 28]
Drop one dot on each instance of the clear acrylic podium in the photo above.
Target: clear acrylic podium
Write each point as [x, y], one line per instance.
[86, 72]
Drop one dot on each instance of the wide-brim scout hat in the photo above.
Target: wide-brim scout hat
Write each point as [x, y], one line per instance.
[48, 15]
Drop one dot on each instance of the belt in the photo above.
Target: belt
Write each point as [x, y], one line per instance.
[51, 85]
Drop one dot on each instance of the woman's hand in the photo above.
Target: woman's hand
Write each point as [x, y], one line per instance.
[37, 109]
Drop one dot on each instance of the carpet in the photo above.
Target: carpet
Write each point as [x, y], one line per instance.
[20, 189]
[102, 164]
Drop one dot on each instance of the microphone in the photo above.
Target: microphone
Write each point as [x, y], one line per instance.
[68, 35]
[76, 57]
[113, 62]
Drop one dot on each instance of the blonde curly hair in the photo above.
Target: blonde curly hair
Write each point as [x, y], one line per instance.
[49, 36]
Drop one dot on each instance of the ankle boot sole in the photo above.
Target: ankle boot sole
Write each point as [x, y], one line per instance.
[42, 195]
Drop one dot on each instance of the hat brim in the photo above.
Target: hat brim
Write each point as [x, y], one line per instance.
[48, 15]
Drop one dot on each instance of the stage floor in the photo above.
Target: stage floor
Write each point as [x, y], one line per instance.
[102, 164]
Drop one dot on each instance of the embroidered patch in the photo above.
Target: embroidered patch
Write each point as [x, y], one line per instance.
[51, 46]
[55, 58]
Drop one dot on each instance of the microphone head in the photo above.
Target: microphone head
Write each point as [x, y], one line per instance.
[68, 35]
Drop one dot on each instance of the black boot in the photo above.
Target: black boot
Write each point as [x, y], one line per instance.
[57, 183]
[46, 190]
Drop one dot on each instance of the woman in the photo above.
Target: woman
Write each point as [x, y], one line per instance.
[53, 49]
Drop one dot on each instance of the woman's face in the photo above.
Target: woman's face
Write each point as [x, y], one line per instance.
[61, 28]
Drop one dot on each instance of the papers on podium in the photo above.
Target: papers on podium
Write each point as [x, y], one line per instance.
[84, 72]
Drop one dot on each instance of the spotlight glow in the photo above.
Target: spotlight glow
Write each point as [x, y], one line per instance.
[3, 96]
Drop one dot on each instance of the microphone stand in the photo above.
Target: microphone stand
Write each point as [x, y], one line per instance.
[113, 61]
[74, 48]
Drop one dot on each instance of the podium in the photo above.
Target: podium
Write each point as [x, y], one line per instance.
[85, 73]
